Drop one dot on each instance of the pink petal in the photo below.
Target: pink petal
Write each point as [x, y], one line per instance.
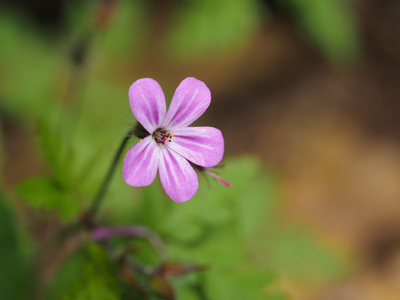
[147, 103]
[177, 176]
[203, 146]
[141, 163]
[190, 101]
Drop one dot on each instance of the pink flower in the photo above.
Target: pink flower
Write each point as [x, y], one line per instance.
[171, 143]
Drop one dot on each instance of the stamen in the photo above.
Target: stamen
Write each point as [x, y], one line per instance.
[161, 136]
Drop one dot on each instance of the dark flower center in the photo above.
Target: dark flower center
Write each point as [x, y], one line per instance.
[161, 136]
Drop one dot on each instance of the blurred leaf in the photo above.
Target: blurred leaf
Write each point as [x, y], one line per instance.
[118, 41]
[173, 269]
[238, 233]
[88, 274]
[243, 283]
[71, 183]
[39, 192]
[45, 193]
[145, 253]
[72, 166]
[228, 222]
[305, 258]
[55, 149]
[80, 16]
[162, 287]
[66, 274]
[15, 268]
[207, 27]
[332, 26]
[128, 276]
[29, 78]
[152, 207]
[2, 153]
[127, 30]
[257, 208]
[188, 294]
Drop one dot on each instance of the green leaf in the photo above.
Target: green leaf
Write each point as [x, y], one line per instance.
[16, 278]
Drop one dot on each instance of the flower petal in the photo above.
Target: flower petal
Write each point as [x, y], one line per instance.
[147, 103]
[141, 163]
[178, 178]
[190, 101]
[203, 146]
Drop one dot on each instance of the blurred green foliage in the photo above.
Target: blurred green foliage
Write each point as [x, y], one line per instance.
[238, 232]
[129, 26]
[30, 67]
[331, 25]
[2, 155]
[213, 27]
[16, 273]
[89, 274]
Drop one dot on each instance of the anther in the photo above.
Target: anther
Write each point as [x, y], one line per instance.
[161, 136]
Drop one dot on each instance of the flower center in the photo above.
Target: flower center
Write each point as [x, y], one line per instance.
[161, 136]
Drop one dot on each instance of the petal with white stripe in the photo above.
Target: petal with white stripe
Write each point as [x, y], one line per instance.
[203, 146]
[147, 103]
[141, 163]
[178, 178]
[190, 101]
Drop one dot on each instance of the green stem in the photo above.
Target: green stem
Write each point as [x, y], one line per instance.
[94, 207]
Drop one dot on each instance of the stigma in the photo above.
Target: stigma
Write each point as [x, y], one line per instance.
[161, 136]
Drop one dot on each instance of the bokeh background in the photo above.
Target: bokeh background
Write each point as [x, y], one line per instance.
[306, 93]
